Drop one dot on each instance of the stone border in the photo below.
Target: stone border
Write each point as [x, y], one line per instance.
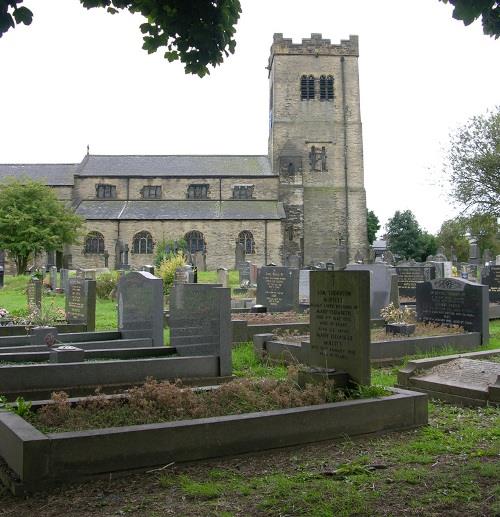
[244, 332]
[494, 311]
[20, 330]
[37, 461]
[381, 352]
[469, 397]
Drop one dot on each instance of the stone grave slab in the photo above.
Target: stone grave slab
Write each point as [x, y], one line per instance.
[81, 302]
[454, 301]
[140, 306]
[340, 322]
[278, 288]
[461, 379]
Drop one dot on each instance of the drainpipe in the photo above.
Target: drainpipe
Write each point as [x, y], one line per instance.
[265, 242]
[344, 110]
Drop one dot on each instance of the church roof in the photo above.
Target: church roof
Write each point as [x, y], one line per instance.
[53, 174]
[189, 210]
[175, 165]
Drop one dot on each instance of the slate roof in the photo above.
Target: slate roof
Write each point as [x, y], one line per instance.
[53, 174]
[173, 210]
[174, 165]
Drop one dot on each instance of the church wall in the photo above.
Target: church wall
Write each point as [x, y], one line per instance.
[85, 186]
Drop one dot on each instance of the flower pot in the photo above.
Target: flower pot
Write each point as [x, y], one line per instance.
[405, 329]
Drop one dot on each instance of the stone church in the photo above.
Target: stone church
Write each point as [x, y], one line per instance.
[305, 198]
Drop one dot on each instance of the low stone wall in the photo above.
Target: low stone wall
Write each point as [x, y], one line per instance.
[381, 352]
[39, 460]
[244, 332]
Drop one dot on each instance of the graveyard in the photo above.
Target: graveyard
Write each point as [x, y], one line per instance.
[309, 437]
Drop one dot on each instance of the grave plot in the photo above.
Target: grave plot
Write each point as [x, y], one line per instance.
[278, 288]
[471, 379]
[38, 458]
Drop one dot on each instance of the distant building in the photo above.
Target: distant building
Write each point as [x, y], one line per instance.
[305, 198]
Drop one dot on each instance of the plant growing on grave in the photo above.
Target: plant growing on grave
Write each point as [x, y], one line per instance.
[166, 270]
[393, 314]
[167, 248]
[4, 313]
[106, 284]
[22, 407]
[34, 317]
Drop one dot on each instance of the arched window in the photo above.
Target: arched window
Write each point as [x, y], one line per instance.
[307, 87]
[326, 88]
[143, 243]
[246, 239]
[195, 241]
[94, 243]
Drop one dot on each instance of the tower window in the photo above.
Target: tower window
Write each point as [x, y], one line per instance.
[105, 191]
[151, 192]
[197, 191]
[306, 87]
[243, 191]
[326, 88]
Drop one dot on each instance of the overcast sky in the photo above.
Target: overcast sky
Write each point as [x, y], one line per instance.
[77, 77]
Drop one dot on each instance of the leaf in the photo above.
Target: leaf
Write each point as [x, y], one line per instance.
[23, 15]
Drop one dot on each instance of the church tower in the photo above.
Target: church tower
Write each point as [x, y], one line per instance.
[316, 147]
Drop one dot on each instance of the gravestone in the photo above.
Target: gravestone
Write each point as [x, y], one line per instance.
[380, 285]
[53, 278]
[474, 257]
[200, 322]
[358, 258]
[497, 260]
[409, 274]
[239, 254]
[149, 269]
[278, 288]
[184, 275]
[330, 266]
[453, 301]
[253, 274]
[140, 306]
[487, 256]
[293, 261]
[448, 269]
[304, 286]
[389, 258]
[200, 261]
[244, 271]
[34, 293]
[80, 302]
[340, 322]
[222, 277]
[64, 275]
[492, 280]
[2, 273]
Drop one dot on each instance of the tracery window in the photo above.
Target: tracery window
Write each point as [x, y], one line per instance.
[246, 239]
[307, 87]
[326, 88]
[94, 243]
[195, 241]
[198, 191]
[105, 191]
[142, 243]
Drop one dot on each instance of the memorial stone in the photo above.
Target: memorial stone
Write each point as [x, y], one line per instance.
[34, 293]
[140, 306]
[304, 286]
[200, 322]
[380, 285]
[492, 280]
[474, 257]
[80, 302]
[2, 273]
[244, 271]
[340, 322]
[253, 274]
[487, 256]
[330, 266]
[497, 260]
[64, 273]
[278, 288]
[222, 277]
[294, 261]
[149, 269]
[409, 274]
[199, 261]
[389, 258]
[239, 255]
[53, 278]
[453, 301]
[184, 275]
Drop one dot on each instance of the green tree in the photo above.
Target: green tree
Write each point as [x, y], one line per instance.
[428, 244]
[452, 234]
[473, 164]
[32, 220]
[483, 229]
[470, 10]
[372, 225]
[196, 32]
[405, 235]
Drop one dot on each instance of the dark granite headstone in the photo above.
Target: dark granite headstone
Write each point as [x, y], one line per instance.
[200, 322]
[411, 273]
[453, 301]
[474, 257]
[492, 279]
[80, 302]
[140, 306]
[340, 322]
[278, 288]
[2, 273]
[64, 278]
[34, 293]
[380, 285]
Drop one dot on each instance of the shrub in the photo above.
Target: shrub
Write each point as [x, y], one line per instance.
[106, 283]
[168, 247]
[393, 314]
[167, 268]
